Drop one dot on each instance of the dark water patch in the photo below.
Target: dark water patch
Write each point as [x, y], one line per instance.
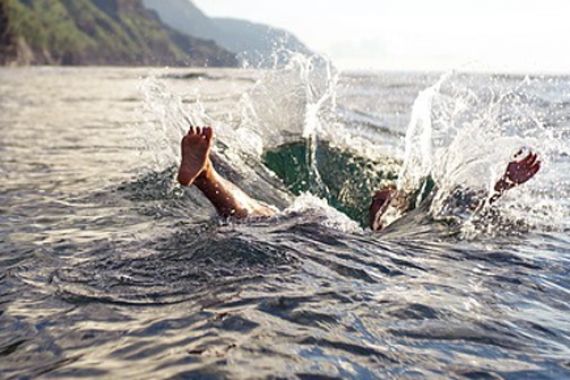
[350, 348]
[414, 311]
[8, 348]
[78, 373]
[163, 271]
[295, 310]
[156, 195]
[152, 186]
[309, 376]
[349, 180]
[192, 75]
[471, 334]
[205, 76]
[480, 375]
[316, 232]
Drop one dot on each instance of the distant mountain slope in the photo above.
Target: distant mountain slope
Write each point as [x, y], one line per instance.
[111, 32]
[254, 42]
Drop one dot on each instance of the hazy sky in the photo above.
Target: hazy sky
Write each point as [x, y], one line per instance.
[504, 35]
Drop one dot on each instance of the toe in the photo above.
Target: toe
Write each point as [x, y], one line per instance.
[535, 168]
[529, 159]
[208, 133]
[535, 159]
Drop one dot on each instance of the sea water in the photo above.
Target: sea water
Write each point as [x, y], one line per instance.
[109, 269]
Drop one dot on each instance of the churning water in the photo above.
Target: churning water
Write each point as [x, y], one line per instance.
[109, 269]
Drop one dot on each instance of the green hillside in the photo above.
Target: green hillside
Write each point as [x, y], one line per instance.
[110, 32]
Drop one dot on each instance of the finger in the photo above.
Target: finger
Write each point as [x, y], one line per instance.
[198, 130]
[191, 130]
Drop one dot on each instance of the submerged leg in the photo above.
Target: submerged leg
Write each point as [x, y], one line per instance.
[388, 205]
[197, 169]
[380, 203]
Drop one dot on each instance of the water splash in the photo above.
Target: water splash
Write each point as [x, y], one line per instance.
[309, 204]
[290, 102]
[168, 118]
[313, 126]
[418, 156]
[463, 132]
[287, 103]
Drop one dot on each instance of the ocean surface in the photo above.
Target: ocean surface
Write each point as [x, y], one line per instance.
[109, 269]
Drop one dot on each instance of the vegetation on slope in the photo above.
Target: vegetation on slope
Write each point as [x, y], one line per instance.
[256, 43]
[116, 32]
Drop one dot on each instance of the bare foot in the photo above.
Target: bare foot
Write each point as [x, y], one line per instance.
[196, 147]
[523, 167]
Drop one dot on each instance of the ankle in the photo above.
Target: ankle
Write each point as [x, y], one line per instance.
[207, 177]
